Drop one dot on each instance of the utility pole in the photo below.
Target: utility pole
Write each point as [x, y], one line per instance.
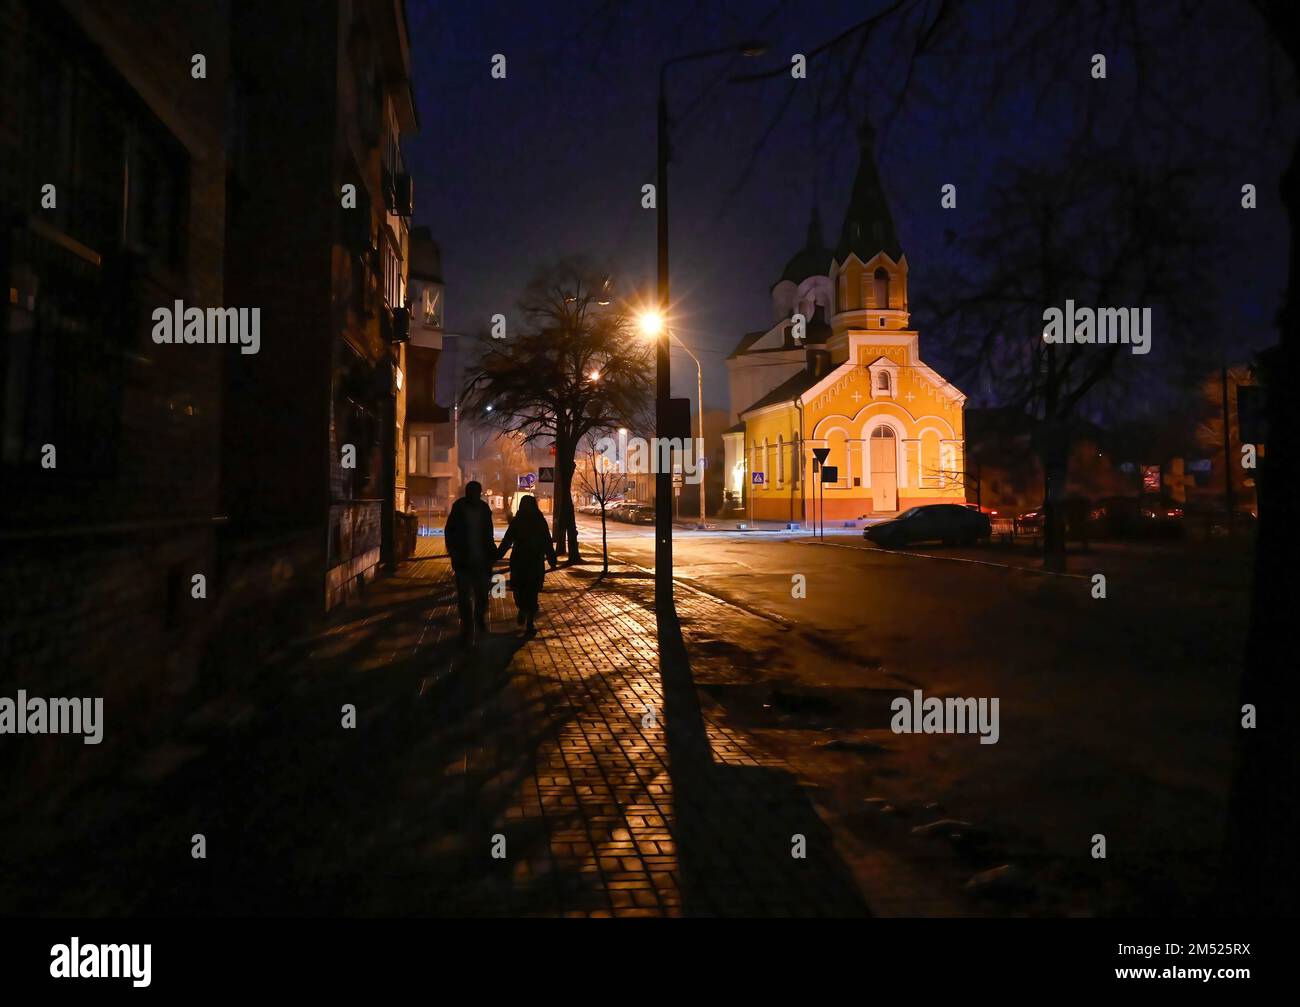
[663, 366]
[1228, 501]
[663, 383]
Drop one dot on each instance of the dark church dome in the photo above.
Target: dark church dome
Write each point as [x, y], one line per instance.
[814, 259]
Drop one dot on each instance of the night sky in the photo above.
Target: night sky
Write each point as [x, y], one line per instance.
[551, 160]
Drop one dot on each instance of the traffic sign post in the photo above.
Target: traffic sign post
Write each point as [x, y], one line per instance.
[819, 456]
[832, 473]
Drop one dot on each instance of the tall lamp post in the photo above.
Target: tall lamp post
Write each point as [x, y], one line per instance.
[652, 324]
[663, 364]
[699, 397]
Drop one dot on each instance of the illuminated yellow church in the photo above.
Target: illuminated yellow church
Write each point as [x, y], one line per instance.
[850, 379]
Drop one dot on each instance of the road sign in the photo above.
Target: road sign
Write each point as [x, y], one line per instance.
[756, 478]
[546, 474]
[528, 480]
[675, 421]
[821, 454]
[830, 473]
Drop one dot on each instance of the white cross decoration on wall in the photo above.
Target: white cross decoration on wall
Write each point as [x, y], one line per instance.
[857, 397]
[909, 396]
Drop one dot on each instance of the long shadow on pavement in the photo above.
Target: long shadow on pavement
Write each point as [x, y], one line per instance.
[737, 827]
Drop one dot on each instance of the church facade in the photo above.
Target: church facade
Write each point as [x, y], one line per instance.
[841, 370]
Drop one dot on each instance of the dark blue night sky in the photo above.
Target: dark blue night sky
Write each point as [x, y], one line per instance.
[551, 160]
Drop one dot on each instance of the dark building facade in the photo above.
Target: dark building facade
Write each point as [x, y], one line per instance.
[318, 236]
[166, 502]
[112, 190]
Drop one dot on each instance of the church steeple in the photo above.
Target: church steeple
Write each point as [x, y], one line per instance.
[815, 239]
[868, 225]
[814, 259]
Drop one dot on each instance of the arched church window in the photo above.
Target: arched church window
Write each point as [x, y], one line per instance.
[883, 382]
[780, 459]
[882, 288]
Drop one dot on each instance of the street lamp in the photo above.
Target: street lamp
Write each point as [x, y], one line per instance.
[663, 363]
[652, 325]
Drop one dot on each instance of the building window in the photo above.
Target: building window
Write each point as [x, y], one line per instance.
[73, 279]
[419, 455]
[394, 282]
[882, 382]
[431, 302]
[780, 460]
[948, 462]
[881, 288]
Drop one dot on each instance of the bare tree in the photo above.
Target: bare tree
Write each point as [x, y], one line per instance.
[575, 367]
[1102, 233]
[603, 479]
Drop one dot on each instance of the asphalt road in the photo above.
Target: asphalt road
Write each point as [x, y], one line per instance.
[1118, 714]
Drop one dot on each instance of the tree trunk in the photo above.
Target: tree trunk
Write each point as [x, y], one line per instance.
[1263, 817]
[561, 493]
[1056, 462]
[571, 513]
[604, 539]
[564, 524]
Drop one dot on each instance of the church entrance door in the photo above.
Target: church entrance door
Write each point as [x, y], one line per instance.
[884, 469]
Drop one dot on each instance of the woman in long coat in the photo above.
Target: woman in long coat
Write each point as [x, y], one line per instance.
[528, 540]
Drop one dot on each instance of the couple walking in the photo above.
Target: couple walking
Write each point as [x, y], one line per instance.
[473, 549]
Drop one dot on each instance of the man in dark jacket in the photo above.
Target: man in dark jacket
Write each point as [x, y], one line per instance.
[472, 549]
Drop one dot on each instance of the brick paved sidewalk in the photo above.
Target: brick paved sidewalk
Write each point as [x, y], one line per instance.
[612, 796]
[597, 818]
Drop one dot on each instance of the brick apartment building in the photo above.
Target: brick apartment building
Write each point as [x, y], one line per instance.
[431, 458]
[312, 118]
[171, 462]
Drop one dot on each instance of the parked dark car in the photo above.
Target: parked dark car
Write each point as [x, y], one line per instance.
[950, 524]
[641, 515]
[1129, 517]
[1076, 511]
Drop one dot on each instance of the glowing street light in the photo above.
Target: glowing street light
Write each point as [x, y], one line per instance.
[651, 322]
